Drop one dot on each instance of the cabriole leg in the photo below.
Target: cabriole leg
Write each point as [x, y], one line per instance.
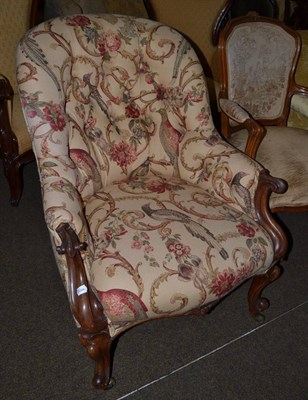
[98, 347]
[258, 304]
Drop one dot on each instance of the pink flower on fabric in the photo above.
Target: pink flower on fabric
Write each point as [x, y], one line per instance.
[131, 111]
[178, 249]
[123, 154]
[245, 230]
[158, 186]
[203, 117]
[90, 122]
[53, 115]
[222, 283]
[79, 20]
[149, 79]
[137, 244]
[109, 41]
[31, 113]
[148, 249]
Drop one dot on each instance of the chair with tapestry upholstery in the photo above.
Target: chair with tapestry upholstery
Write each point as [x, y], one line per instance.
[258, 60]
[151, 212]
[16, 17]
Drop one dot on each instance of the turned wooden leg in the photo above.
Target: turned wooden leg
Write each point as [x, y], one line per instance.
[98, 347]
[258, 304]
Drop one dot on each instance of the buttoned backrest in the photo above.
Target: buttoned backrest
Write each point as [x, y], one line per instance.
[108, 85]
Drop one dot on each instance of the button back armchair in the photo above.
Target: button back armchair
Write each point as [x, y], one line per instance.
[151, 213]
[258, 60]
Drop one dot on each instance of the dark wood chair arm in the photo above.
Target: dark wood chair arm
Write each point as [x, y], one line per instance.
[266, 186]
[85, 307]
[6, 90]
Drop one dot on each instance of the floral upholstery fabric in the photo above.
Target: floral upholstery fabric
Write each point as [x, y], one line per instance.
[260, 56]
[117, 109]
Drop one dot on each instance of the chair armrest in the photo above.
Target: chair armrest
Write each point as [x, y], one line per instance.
[6, 90]
[61, 201]
[220, 169]
[233, 110]
[86, 308]
[256, 132]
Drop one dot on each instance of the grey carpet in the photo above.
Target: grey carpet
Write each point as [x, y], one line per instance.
[225, 355]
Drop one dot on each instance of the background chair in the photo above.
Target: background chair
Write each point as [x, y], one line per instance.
[151, 213]
[258, 60]
[15, 144]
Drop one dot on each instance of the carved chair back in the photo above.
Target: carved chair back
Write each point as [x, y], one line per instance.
[258, 60]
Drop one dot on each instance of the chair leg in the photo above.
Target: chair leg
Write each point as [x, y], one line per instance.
[258, 304]
[98, 347]
[15, 180]
[13, 166]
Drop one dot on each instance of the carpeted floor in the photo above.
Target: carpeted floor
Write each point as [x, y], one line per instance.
[223, 356]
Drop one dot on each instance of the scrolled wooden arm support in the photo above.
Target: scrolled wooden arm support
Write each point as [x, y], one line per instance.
[266, 186]
[6, 91]
[87, 310]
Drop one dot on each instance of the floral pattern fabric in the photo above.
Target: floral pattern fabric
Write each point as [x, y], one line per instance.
[117, 109]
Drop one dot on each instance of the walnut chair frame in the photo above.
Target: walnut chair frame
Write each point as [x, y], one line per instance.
[120, 121]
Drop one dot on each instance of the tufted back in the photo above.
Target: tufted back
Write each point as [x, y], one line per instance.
[259, 58]
[110, 88]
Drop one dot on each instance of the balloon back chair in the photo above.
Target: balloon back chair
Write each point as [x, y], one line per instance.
[16, 17]
[151, 212]
[258, 58]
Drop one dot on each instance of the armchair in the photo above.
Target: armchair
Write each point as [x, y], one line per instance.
[151, 212]
[258, 59]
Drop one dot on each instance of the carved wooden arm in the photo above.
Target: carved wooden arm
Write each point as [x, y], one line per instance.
[6, 90]
[87, 310]
[266, 186]
[85, 307]
[256, 132]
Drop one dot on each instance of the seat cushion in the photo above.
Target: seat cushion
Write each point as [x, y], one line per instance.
[284, 152]
[163, 246]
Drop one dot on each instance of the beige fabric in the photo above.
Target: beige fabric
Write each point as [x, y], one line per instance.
[284, 152]
[19, 126]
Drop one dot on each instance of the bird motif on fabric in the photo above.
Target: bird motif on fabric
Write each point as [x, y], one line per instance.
[87, 165]
[122, 305]
[142, 170]
[170, 139]
[184, 46]
[194, 228]
[32, 51]
[94, 93]
[240, 193]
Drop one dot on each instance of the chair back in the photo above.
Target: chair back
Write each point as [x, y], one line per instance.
[258, 60]
[111, 87]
